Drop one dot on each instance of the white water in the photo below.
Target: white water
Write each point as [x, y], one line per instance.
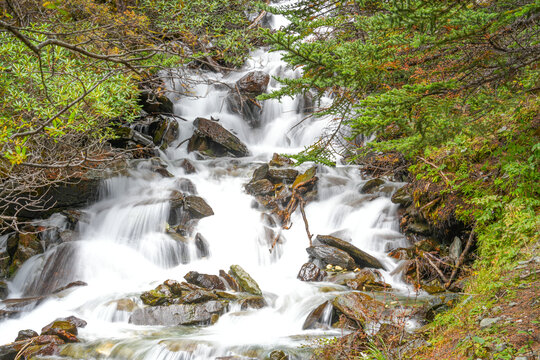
[123, 248]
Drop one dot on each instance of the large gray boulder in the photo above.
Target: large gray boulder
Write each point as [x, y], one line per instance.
[212, 139]
[185, 314]
[361, 258]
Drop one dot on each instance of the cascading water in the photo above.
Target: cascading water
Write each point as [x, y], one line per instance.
[123, 248]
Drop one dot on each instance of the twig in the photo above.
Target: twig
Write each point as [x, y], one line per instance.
[443, 277]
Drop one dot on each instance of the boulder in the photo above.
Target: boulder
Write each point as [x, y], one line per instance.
[367, 280]
[229, 280]
[197, 207]
[245, 281]
[402, 197]
[212, 139]
[331, 255]
[66, 330]
[358, 307]
[185, 186]
[371, 186]
[183, 209]
[159, 296]
[185, 314]
[277, 355]
[260, 173]
[210, 282]
[311, 272]
[280, 161]
[188, 166]
[455, 249]
[26, 334]
[259, 187]
[282, 175]
[252, 302]
[154, 103]
[254, 83]
[361, 258]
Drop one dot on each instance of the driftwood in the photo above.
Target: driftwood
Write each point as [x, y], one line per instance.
[295, 201]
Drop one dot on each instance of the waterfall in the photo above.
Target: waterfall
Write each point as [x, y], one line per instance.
[123, 248]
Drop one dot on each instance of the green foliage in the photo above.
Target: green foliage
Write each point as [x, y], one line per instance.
[32, 95]
[217, 28]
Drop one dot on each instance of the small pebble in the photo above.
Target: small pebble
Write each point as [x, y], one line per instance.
[338, 268]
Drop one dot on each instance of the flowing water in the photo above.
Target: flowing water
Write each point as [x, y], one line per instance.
[123, 248]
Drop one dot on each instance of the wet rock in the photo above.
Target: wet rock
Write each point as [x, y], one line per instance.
[308, 175]
[127, 305]
[315, 319]
[198, 296]
[75, 321]
[279, 161]
[358, 307]
[185, 314]
[402, 197]
[66, 330]
[371, 186]
[183, 209]
[197, 207]
[277, 355]
[159, 296]
[311, 272]
[154, 103]
[9, 351]
[331, 255]
[210, 282]
[252, 302]
[188, 167]
[260, 173]
[259, 187]
[202, 246]
[212, 139]
[245, 281]
[28, 245]
[26, 334]
[242, 99]
[164, 132]
[230, 281]
[282, 175]
[46, 339]
[254, 83]
[367, 280]
[361, 258]
[175, 287]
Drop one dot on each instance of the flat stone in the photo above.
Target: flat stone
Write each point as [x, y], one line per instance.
[488, 322]
[361, 258]
[172, 315]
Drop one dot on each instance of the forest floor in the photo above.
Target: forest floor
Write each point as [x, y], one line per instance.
[504, 324]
